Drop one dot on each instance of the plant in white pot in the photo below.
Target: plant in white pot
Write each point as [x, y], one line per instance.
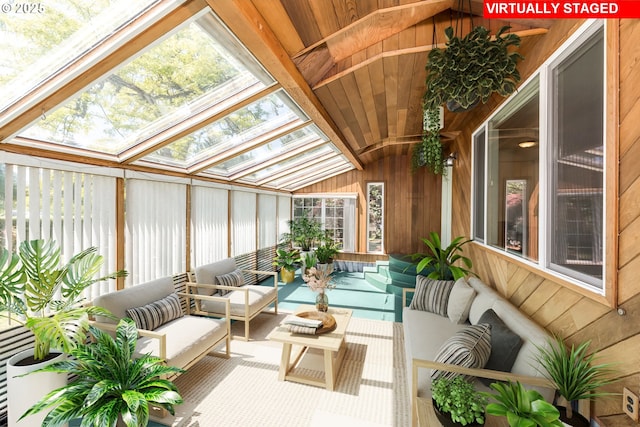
[45, 296]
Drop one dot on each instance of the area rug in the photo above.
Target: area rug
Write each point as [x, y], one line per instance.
[371, 388]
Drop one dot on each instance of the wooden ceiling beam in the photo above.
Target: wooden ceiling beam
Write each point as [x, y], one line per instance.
[406, 51]
[377, 26]
[253, 31]
[476, 7]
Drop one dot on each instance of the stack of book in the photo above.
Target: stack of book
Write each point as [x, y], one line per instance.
[302, 325]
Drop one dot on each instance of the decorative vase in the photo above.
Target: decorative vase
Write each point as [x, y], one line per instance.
[287, 276]
[322, 302]
[26, 391]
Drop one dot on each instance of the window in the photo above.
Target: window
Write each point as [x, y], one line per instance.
[375, 217]
[538, 166]
[336, 214]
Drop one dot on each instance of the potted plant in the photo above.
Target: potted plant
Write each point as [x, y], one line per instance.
[325, 254]
[45, 296]
[110, 383]
[429, 152]
[304, 232]
[287, 260]
[310, 259]
[575, 374]
[471, 68]
[456, 402]
[441, 261]
[522, 407]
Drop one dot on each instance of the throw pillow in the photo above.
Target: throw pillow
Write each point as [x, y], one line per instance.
[460, 300]
[234, 278]
[157, 313]
[431, 295]
[505, 344]
[469, 347]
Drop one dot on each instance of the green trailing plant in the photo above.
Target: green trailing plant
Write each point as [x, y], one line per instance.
[442, 261]
[575, 373]
[289, 259]
[522, 407]
[428, 152]
[458, 398]
[471, 68]
[303, 232]
[110, 383]
[46, 296]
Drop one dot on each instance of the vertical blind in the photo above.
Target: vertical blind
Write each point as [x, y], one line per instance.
[267, 221]
[155, 229]
[284, 215]
[75, 209]
[209, 225]
[243, 222]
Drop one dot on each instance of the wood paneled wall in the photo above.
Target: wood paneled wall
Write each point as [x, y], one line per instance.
[412, 201]
[562, 310]
[413, 209]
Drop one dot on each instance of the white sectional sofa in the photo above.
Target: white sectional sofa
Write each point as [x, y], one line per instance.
[426, 333]
[180, 339]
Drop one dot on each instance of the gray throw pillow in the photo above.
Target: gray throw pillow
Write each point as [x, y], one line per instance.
[505, 344]
[235, 278]
[157, 313]
[460, 300]
[431, 295]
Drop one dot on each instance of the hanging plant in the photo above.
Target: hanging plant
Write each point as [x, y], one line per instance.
[472, 68]
[428, 153]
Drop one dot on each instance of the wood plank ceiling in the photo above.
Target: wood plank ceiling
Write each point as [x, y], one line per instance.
[365, 60]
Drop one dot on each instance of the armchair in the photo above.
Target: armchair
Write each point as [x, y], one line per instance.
[223, 279]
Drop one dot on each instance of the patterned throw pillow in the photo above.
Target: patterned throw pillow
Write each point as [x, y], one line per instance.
[469, 347]
[234, 278]
[157, 313]
[431, 295]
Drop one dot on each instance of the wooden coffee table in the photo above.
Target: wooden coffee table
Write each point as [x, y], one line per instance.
[331, 343]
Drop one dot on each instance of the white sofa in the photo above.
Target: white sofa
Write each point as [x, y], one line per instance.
[246, 301]
[425, 333]
[181, 341]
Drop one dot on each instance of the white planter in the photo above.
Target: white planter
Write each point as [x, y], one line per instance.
[325, 267]
[24, 392]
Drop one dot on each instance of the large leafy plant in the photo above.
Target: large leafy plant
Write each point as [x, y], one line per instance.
[46, 296]
[522, 407]
[458, 398]
[442, 261]
[287, 259]
[109, 383]
[574, 372]
[471, 68]
[303, 232]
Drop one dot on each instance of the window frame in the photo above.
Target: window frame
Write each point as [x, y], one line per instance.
[607, 292]
[382, 208]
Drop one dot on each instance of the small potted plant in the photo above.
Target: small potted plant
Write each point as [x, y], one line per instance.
[441, 261]
[522, 407]
[575, 374]
[288, 260]
[325, 254]
[457, 403]
[110, 385]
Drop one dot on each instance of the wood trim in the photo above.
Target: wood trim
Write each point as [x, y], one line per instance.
[229, 221]
[612, 156]
[120, 225]
[188, 229]
[544, 273]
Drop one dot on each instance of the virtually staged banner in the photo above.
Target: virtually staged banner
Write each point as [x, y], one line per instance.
[561, 9]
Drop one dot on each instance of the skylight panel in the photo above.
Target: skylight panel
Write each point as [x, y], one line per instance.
[39, 39]
[242, 127]
[187, 73]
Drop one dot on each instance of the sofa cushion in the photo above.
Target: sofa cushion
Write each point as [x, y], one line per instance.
[187, 338]
[505, 344]
[431, 295]
[460, 300]
[258, 296]
[234, 278]
[469, 348]
[150, 316]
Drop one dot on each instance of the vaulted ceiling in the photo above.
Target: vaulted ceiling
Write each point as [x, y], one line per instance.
[349, 75]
